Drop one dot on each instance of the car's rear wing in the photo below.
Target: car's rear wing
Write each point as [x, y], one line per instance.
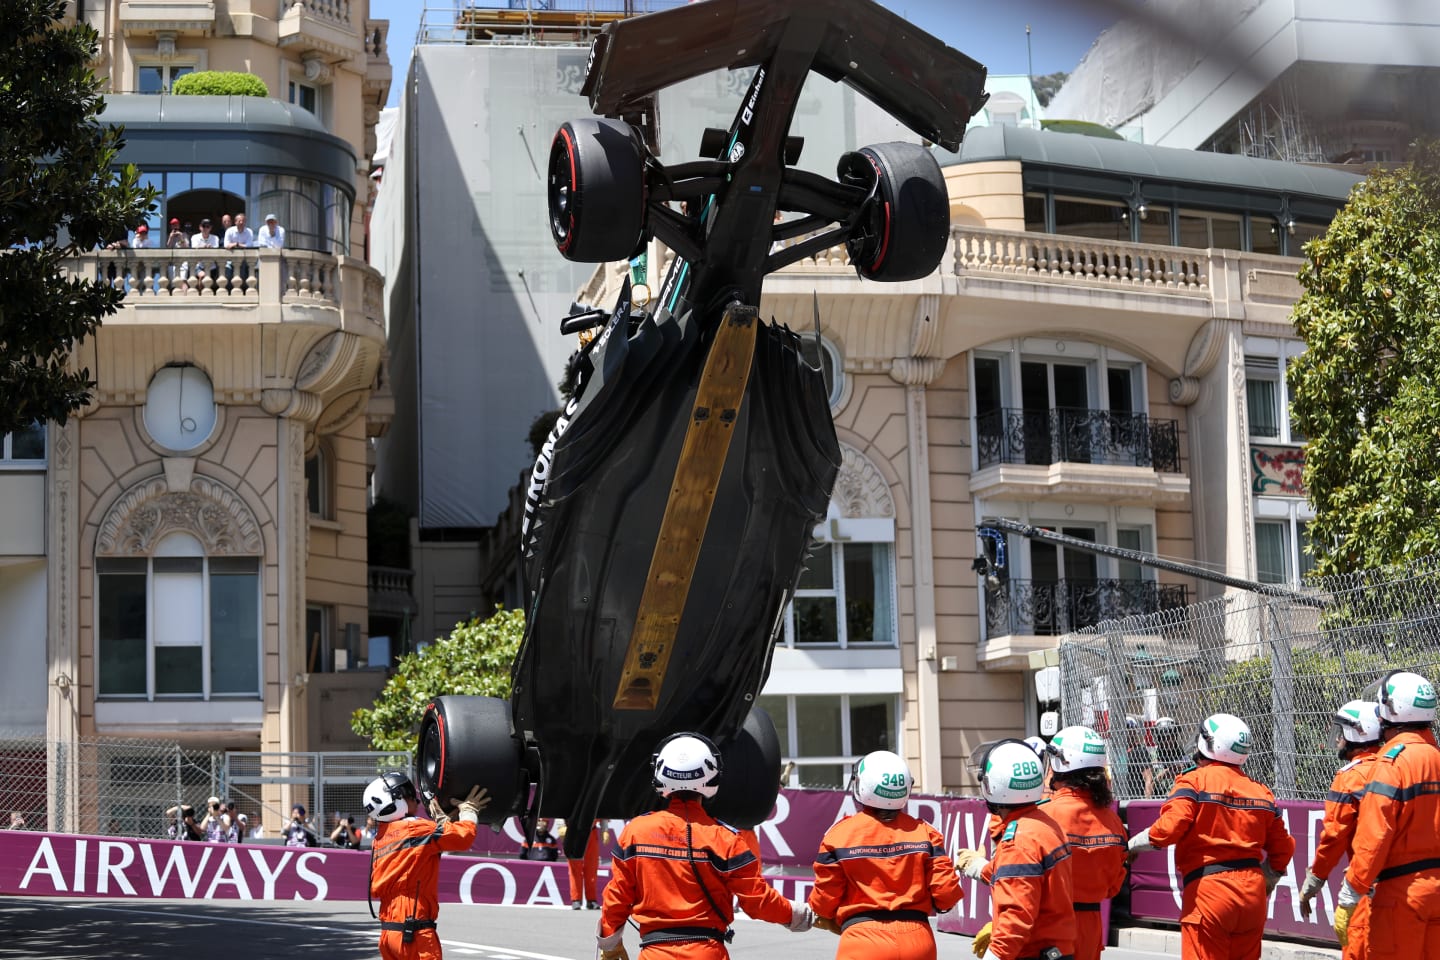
[931, 88]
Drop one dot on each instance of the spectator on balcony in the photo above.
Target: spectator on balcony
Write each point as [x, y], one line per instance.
[177, 238]
[271, 235]
[239, 236]
[225, 224]
[142, 237]
[202, 241]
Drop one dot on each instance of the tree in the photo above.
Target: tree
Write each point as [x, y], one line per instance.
[58, 197]
[1047, 86]
[1367, 389]
[474, 659]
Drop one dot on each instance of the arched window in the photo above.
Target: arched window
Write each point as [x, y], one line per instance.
[178, 624]
[319, 482]
[823, 354]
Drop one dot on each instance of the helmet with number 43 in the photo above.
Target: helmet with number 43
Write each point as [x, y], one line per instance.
[1012, 775]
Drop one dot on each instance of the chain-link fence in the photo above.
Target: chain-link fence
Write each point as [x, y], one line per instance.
[1284, 663]
[119, 787]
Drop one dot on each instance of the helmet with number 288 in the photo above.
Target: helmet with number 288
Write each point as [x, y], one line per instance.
[1012, 774]
[882, 780]
[1224, 737]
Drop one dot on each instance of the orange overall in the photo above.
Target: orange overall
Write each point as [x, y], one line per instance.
[881, 880]
[405, 875]
[1220, 822]
[656, 877]
[585, 874]
[1342, 807]
[1031, 887]
[1097, 853]
[1396, 848]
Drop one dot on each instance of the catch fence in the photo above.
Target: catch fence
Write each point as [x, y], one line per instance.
[123, 787]
[1283, 663]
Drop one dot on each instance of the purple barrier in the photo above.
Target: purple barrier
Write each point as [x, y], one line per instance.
[1155, 886]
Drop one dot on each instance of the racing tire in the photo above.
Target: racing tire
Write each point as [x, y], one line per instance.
[750, 780]
[468, 742]
[903, 233]
[595, 186]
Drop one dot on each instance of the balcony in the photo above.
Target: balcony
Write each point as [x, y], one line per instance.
[378, 72]
[390, 590]
[1023, 616]
[193, 18]
[323, 27]
[1097, 456]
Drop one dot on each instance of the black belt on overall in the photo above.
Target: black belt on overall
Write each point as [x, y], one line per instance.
[1223, 866]
[1087, 908]
[406, 926]
[885, 916]
[1405, 869]
[674, 934]
[1043, 956]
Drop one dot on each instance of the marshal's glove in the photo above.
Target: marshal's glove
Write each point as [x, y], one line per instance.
[1342, 925]
[802, 918]
[826, 923]
[1272, 878]
[1140, 843]
[970, 863]
[982, 941]
[611, 947]
[1309, 890]
[471, 806]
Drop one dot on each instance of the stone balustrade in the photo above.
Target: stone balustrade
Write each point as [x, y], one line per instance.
[234, 276]
[1044, 256]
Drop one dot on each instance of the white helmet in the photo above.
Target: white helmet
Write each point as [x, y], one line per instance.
[1406, 698]
[1166, 725]
[1012, 774]
[686, 761]
[1037, 744]
[882, 780]
[1076, 748]
[1224, 737]
[391, 797]
[1359, 721]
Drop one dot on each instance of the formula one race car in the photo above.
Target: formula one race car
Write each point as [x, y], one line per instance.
[670, 511]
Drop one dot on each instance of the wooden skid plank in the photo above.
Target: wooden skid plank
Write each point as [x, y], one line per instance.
[687, 512]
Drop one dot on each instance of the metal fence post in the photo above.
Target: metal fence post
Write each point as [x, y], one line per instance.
[1282, 698]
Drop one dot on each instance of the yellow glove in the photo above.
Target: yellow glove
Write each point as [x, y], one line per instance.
[827, 923]
[618, 953]
[982, 941]
[471, 806]
[1342, 924]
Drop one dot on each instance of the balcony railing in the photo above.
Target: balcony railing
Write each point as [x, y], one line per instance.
[390, 589]
[232, 276]
[1074, 435]
[1043, 256]
[1053, 608]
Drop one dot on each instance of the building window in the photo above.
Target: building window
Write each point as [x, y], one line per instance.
[305, 96]
[319, 638]
[1202, 229]
[24, 448]
[823, 735]
[1099, 219]
[318, 484]
[159, 77]
[844, 597]
[1282, 551]
[819, 352]
[178, 624]
[1267, 393]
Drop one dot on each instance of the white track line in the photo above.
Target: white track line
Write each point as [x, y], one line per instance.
[368, 934]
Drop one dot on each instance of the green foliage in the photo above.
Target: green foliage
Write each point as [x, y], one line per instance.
[220, 83]
[1082, 127]
[1367, 389]
[1047, 86]
[58, 197]
[1322, 681]
[474, 659]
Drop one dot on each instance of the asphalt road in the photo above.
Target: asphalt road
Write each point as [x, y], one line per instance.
[240, 930]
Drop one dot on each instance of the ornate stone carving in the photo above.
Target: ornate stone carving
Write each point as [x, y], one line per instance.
[1184, 391]
[209, 511]
[915, 371]
[342, 411]
[860, 488]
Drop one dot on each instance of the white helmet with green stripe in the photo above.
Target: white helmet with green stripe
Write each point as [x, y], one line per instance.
[1224, 737]
[1406, 697]
[1359, 722]
[1012, 774]
[1076, 748]
[882, 780]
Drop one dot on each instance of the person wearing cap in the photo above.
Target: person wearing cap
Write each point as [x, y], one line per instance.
[176, 238]
[216, 822]
[297, 832]
[238, 825]
[1220, 822]
[1395, 856]
[271, 234]
[184, 827]
[142, 237]
[1357, 738]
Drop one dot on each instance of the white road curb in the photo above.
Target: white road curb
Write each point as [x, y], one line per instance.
[1168, 943]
